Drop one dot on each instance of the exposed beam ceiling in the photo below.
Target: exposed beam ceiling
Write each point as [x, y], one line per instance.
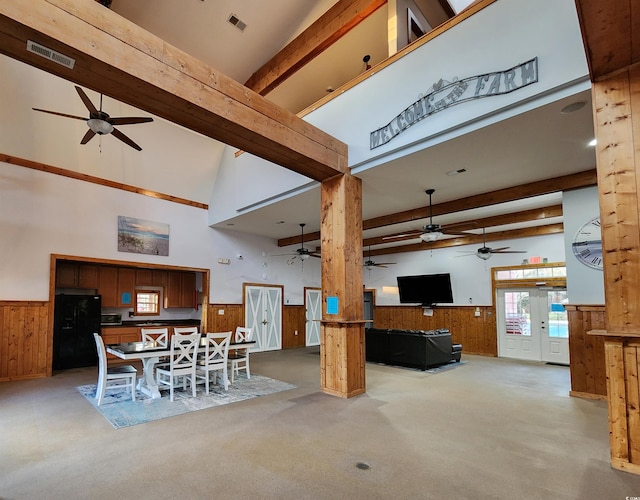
[554, 185]
[611, 33]
[329, 28]
[470, 240]
[536, 214]
[116, 57]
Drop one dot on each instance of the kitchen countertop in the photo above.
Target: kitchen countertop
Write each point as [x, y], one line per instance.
[156, 322]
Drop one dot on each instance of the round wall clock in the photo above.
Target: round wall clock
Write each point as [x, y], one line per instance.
[587, 244]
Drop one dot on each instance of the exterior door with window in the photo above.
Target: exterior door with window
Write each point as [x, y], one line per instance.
[263, 313]
[533, 324]
[313, 311]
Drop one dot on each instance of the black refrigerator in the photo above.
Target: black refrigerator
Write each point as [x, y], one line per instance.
[76, 317]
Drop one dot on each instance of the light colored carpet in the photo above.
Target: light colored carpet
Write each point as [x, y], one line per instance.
[120, 411]
[489, 429]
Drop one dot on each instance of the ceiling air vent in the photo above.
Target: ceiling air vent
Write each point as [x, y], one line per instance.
[233, 19]
[50, 54]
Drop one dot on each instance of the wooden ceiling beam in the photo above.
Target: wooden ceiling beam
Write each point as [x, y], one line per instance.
[324, 32]
[546, 186]
[611, 35]
[535, 214]
[115, 57]
[470, 240]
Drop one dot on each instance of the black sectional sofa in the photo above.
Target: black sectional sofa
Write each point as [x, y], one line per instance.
[411, 348]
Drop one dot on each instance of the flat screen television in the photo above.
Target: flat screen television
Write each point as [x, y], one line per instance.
[425, 289]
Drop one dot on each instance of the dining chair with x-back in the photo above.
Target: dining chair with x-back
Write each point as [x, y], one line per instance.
[182, 363]
[214, 361]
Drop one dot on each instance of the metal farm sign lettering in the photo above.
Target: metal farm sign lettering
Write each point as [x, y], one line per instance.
[444, 96]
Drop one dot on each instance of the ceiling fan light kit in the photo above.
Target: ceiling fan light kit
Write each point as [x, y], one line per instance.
[432, 236]
[99, 126]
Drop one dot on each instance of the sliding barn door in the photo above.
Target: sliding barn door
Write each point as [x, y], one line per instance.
[313, 311]
[263, 313]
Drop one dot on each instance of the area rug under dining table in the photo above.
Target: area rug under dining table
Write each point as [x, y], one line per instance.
[120, 411]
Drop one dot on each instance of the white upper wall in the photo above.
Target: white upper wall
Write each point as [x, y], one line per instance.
[55, 140]
[499, 37]
[584, 284]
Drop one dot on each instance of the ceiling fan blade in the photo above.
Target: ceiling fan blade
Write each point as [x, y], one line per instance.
[87, 137]
[315, 255]
[128, 120]
[412, 234]
[501, 249]
[509, 251]
[60, 114]
[125, 139]
[87, 102]
[384, 263]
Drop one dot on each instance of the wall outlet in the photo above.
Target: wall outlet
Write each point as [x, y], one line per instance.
[477, 312]
[224, 261]
[220, 312]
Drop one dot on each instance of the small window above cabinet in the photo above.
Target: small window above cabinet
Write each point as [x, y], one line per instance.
[147, 303]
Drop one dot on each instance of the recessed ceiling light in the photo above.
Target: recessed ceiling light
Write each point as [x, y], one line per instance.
[573, 107]
[593, 142]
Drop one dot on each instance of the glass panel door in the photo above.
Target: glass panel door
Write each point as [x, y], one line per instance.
[533, 324]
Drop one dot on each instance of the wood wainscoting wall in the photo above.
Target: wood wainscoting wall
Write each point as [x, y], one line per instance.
[586, 352]
[25, 345]
[477, 334]
[294, 319]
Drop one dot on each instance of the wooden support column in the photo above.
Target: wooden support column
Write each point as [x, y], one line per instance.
[616, 102]
[342, 356]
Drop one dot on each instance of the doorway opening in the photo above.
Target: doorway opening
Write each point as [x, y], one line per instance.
[532, 323]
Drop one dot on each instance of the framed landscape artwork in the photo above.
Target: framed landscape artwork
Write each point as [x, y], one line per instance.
[142, 236]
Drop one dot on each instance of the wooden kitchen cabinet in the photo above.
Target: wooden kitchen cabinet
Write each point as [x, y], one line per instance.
[187, 290]
[67, 274]
[126, 286]
[88, 276]
[180, 289]
[77, 275]
[119, 335]
[159, 278]
[144, 277]
[108, 286]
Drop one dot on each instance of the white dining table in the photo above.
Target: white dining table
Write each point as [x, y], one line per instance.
[149, 353]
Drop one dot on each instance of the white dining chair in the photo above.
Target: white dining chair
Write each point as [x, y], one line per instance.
[214, 361]
[182, 363]
[185, 330]
[115, 377]
[239, 358]
[159, 335]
